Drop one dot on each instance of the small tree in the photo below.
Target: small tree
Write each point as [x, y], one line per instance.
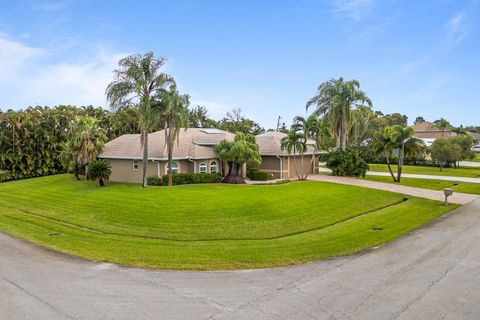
[465, 142]
[295, 144]
[444, 151]
[236, 153]
[346, 163]
[100, 170]
[85, 141]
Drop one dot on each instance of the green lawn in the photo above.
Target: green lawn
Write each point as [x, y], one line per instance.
[207, 226]
[470, 172]
[477, 158]
[465, 187]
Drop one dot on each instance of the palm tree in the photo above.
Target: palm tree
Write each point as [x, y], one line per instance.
[100, 170]
[139, 82]
[175, 115]
[308, 128]
[84, 142]
[293, 142]
[404, 140]
[401, 139]
[243, 149]
[335, 99]
[442, 124]
[384, 145]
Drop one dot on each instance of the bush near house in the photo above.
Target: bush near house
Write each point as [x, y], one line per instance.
[186, 178]
[346, 163]
[259, 175]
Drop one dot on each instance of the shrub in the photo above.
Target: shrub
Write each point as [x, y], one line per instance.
[186, 178]
[4, 175]
[346, 163]
[258, 175]
[100, 170]
[154, 181]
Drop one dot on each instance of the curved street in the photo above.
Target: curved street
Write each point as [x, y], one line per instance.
[431, 273]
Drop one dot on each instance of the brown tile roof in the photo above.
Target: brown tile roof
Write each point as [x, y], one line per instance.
[270, 143]
[425, 126]
[195, 143]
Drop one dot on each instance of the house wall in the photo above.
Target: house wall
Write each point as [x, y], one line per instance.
[307, 167]
[272, 165]
[432, 134]
[122, 169]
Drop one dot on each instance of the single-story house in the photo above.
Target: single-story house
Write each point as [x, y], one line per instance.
[192, 154]
[278, 162]
[427, 132]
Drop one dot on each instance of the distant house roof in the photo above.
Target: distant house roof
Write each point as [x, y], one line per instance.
[475, 135]
[270, 144]
[428, 130]
[194, 143]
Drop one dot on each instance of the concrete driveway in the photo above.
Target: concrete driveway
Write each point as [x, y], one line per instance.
[431, 273]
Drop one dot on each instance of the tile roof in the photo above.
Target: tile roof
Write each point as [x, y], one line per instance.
[270, 143]
[195, 143]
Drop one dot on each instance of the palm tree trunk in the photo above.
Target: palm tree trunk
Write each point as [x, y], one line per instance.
[400, 162]
[170, 155]
[145, 158]
[387, 157]
[303, 169]
[344, 133]
[295, 166]
[86, 172]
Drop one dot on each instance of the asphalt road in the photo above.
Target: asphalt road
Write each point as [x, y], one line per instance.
[431, 273]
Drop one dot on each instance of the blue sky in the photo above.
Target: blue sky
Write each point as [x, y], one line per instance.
[421, 58]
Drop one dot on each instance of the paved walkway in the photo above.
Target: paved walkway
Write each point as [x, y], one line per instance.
[469, 164]
[431, 273]
[417, 176]
[460, 198]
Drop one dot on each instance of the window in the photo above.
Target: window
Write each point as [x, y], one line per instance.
[213, 167]
[203, 167]
[135, 165]
[174, 167]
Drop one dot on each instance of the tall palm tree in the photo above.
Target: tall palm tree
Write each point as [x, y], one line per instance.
[335, 99]
[294, 143]
[139, 81]
[174, 114]
[307, 128]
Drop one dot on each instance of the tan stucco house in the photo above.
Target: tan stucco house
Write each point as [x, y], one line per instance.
[194, 154]
[427, 132]
[278, 162]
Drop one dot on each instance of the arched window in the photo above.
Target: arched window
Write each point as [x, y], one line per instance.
[203, 167]
[174, 167]
[213, 167]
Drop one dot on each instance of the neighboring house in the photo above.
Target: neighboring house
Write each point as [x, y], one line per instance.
[476, 136]
[427, 132]
[192, 154]
[278, 162]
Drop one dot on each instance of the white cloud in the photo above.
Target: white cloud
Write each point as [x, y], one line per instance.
[457, 28]
[31, 76]
[355, 9]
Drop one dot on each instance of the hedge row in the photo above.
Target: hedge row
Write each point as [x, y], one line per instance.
[186, 178]
[258, 175]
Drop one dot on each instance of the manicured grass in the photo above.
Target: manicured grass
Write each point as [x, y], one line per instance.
[476, 159]
[470, 172]
[207, 226]
[465, 187]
